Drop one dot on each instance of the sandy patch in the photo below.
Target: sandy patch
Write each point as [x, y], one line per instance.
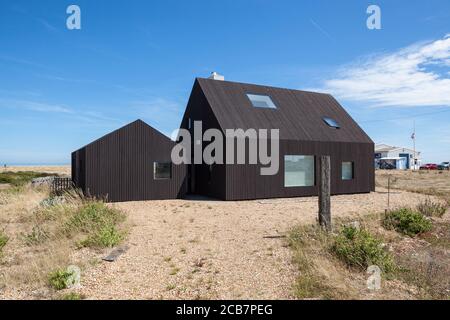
[63, 170]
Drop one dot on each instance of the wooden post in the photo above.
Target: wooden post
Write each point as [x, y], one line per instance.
[324, 193]
[389, 193]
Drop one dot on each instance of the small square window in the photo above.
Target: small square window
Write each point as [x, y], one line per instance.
[261, 101]
[331, 122]
[162, 170]
[347, 171]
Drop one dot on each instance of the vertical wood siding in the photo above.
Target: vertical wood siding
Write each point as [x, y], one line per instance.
[222, 105]
[245, 182]
[119, 166]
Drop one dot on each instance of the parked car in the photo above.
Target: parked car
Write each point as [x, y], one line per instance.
[387, 166]
[444, 166]
[429, 166]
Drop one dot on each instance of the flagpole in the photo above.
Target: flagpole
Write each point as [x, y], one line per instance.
[414, 145]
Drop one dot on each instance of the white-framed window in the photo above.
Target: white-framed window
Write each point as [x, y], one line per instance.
[162, 170]
[299, 171]
[347, 170]
[261, 101]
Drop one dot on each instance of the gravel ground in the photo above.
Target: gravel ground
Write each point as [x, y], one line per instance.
[203, 249]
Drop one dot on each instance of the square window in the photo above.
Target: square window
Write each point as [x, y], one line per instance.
[299, 171]
[162, 170]
[347, 171]
[261, 101]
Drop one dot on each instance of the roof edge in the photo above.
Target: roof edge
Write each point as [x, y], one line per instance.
[137, 121]
[265, 86]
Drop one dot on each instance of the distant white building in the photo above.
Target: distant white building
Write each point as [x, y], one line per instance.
[391, 157]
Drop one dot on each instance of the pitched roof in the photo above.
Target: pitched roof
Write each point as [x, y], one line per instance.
[136, 123]
[387, 148]
[299, 114]
[384, 149]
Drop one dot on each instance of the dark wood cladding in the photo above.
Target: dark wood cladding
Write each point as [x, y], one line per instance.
[208, 181]
[119, 166]
[299, 117]
[245, 182]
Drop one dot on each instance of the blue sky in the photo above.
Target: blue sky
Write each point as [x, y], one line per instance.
[60, 88]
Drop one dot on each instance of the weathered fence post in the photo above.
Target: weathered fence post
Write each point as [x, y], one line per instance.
[324, 192]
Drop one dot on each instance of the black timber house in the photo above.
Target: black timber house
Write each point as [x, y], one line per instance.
[129, 164]
[133, 163]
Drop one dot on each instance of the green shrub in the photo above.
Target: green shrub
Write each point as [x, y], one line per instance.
[431, 209]
[106, 237]
[359, 248]
[407, 221]
[72, 296]
[59, 279]
[94, 215]
[99, 222]
[3, 240]
[21, 178]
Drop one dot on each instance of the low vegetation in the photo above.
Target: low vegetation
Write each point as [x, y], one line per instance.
[21, 178]
[60, 279]
[3, 240]
[309, 247]
[37, 236]
[44, 233]
[407, 221]
[431, 183]
[360, 248]
[72, 296]
[98, 222]
[432, 208]
[333, 265]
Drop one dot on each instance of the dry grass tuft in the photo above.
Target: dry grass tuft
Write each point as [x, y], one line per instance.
[3, 240]
[45, 234]
[318, 275]
[432, 208]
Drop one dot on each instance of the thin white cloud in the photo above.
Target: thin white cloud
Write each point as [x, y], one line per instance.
[20, 61]
[86, 116]
[156, 105]
[47, 25]
[321, 30]
[162, 113]
[414, 76]
[34, 106]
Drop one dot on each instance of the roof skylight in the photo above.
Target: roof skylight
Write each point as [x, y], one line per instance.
[261, 101]
[331, 122]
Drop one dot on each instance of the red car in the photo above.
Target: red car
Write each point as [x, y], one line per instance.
[429, 166]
